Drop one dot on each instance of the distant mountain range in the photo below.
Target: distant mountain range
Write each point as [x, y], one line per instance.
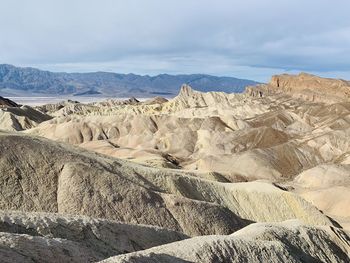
[16, 81]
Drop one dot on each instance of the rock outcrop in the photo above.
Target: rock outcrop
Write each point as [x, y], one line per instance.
[305, 86]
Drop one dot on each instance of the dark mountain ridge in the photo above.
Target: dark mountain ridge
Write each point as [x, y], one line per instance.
[17, 81]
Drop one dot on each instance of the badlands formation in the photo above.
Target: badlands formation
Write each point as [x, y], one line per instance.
[262, 176]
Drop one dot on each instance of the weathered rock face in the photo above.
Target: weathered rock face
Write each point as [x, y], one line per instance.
[317, 86]
[305, 86]
[46, 237]
[287, 242]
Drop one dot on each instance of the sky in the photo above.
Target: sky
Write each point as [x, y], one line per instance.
[251, 39]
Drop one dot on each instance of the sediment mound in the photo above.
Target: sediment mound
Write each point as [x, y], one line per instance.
[327, 187]
[21, 118]
[285, 242]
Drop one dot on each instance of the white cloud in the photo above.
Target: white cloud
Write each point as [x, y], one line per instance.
[249, 38]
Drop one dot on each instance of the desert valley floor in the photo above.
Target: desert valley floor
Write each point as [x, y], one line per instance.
[262, 176]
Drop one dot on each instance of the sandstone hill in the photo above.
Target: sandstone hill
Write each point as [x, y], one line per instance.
[40, 175]
[20, 118]
[202, 177]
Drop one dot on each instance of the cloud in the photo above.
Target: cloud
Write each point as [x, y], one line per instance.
[251, 38]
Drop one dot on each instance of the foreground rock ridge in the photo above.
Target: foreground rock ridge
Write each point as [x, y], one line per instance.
[262, 176]
[287, 242]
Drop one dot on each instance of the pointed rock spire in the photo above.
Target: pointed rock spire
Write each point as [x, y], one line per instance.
[186, 90]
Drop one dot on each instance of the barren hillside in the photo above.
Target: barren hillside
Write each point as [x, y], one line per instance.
[202, 177]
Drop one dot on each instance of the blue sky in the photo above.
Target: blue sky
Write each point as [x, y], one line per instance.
[249, 39]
